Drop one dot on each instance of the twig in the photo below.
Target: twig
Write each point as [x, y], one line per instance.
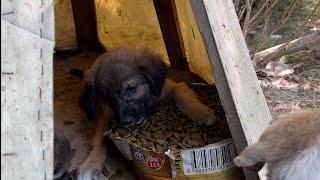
[246, 20]
[298, 33]
[285, 16]
[266, 21]
[241, 13]
[236, 4]
[257, 14]
[265, 27]
[249, 21]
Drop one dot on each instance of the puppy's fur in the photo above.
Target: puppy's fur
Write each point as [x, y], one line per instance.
[290, 147]
[124, 85]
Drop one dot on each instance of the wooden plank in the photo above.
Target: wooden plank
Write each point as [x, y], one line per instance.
[27, 90]
[65, 30]
[123, 23]
[166, 18]
[246, 109]
[191, 40]
[86, 25]
[36, 16]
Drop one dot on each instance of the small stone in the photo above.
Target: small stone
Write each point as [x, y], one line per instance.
[275, 36]
[161, 142]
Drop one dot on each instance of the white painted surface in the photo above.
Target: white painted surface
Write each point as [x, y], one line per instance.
[26, 111]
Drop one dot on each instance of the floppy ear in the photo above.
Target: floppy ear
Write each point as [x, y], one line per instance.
[154, 70]
[88, 101]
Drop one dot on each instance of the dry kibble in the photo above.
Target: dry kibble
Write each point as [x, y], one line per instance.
[159, 148]
[113, 177]
[186, 145]
[168, 128]
[149, 144]
[124, 132]
[181, 146]
[105, 172]
[161, 142]
[135, 132]
[193, 143]
[205, 137]
[153, 148]
[159, 134]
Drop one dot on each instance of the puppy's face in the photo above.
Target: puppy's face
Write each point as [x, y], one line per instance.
[129, 80]
[134, 102]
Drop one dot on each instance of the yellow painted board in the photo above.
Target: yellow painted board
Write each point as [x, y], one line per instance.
[65, 31]
[192, 41]
[124, 23]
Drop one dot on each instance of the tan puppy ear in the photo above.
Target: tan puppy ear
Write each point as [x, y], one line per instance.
[252, 157]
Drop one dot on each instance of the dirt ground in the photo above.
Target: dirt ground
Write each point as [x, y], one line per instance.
[298, 90]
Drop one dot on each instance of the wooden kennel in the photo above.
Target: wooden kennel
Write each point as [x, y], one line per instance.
[201, 35]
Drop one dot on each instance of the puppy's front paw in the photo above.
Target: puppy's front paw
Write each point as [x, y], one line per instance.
[88, 171]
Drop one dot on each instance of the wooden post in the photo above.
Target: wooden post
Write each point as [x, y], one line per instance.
[86, 24]
[165, 14]
[242, 98]
[27, 41]
[65, 30]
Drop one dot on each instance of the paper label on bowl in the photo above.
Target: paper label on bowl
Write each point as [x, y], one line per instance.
[209, 159]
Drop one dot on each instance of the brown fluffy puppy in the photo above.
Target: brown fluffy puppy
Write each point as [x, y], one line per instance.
[290, 147]
[128, 83]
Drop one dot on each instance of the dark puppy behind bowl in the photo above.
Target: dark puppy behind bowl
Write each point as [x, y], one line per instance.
[62, 156]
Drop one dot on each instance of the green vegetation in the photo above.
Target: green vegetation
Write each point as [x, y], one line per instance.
[298, 23]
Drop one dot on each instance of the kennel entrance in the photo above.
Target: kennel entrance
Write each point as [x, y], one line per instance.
[27, 82]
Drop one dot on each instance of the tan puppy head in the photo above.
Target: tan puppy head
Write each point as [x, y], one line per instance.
[290, 147]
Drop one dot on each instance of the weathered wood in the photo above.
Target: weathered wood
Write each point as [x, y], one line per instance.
[191, 41]
[31, 15]
[242, 98]
[65, 30]
[27, 40]
[86, 25]
[298, 44]
[123, 23]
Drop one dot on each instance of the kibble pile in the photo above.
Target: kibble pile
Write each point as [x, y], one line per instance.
[168, 128]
